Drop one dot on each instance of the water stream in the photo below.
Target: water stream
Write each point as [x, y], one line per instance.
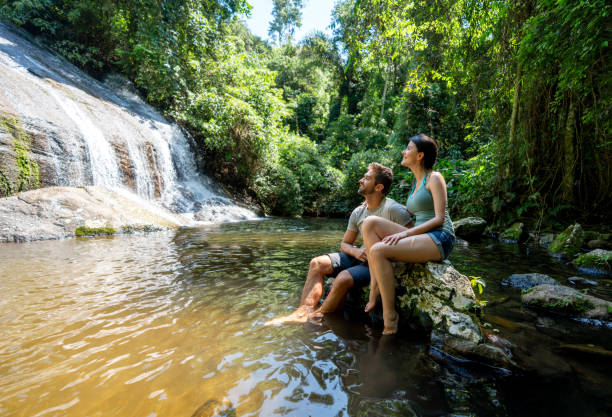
[172, 324]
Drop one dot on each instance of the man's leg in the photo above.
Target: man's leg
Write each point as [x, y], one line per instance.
[341, 286]
[313, 288]
[312, 292]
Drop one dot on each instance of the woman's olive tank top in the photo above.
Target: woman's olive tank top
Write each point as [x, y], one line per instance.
[420, 203]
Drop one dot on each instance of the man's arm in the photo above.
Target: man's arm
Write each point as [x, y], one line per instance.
[347, 246]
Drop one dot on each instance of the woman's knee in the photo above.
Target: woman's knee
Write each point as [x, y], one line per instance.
[378, 250]
[369, 223]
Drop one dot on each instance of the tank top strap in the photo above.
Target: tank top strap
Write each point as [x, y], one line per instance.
[422, 185]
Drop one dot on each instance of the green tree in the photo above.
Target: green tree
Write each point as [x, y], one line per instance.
[286, 16]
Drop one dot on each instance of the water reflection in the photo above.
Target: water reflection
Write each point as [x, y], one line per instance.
[172, 324]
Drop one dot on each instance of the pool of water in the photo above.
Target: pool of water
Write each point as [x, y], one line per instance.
[172, 324]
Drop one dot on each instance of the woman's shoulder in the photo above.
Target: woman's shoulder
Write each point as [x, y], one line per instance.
[435, 178]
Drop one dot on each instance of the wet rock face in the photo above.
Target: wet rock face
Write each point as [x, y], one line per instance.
[515, 233]
[436, 297]
[564, 300]
[470, 227]
[598, 258]
[568, 243]
[58, 212]
[526, 281]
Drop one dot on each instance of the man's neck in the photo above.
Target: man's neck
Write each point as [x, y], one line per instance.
[373, 200]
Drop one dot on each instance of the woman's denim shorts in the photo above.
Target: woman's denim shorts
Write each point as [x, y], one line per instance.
[444, 241]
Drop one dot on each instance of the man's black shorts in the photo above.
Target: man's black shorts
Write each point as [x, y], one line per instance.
[358, 270]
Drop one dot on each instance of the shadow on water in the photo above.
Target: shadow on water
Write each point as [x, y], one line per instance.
[173, 324]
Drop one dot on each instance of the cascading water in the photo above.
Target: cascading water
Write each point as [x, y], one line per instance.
[102, 133]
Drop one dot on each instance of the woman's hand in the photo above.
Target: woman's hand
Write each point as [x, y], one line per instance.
[394, 238]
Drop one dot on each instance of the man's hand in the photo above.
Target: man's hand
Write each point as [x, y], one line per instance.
[361, 254]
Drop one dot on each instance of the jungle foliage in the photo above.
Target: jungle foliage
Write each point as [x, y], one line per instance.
[516, 92]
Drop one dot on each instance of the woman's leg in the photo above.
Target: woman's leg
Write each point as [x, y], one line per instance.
[419, 248]
[375, 228]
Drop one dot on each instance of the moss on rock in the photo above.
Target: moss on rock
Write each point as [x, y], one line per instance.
[514, 233]
[94, 231]
[19, 172]
[569, 242]
[598, 258]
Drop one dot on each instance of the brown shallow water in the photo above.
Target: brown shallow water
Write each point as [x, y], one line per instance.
[171, 324]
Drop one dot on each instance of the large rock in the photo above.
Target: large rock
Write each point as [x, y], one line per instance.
[57, 212]
[470, 227]
[560, 299]
[569, 242]
[515, 233]
[526, 281]
[435, 297]
[598, 258]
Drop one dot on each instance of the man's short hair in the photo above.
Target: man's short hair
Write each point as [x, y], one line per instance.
[382, 175]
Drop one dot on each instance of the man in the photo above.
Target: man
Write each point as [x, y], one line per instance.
[349, 267]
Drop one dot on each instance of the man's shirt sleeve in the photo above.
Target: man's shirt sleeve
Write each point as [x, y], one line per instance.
[352, 224]
[399, 214]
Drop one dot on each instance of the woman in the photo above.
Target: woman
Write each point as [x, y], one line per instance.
[431, 239]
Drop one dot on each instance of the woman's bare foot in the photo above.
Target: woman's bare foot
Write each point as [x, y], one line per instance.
[370, 306]
[391, 324]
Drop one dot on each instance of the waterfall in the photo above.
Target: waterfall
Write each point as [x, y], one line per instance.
[88, 132]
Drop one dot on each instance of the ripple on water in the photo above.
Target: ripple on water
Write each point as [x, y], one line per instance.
[171, 323]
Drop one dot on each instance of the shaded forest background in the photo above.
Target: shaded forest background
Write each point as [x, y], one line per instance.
[516, 92]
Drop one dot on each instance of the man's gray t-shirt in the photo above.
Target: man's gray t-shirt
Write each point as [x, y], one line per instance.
[388, 209]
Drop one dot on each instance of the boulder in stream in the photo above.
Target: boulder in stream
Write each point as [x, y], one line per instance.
[59, 212]
[598, 259]
[470, 227]
[560, 299]
[515, 233]
[526, 281]
[436, 298]
[569, 242]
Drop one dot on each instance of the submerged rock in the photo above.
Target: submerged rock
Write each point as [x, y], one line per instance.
[569, 242]
[514, 233]
[598, 258]
[470, 227]
[59, 212]
[582, 282]
[526, 281]
[567, 301]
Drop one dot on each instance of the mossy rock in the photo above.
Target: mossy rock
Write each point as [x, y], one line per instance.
[564, 300]
[598, 258]
[514, 233]
[569, 242]
[94, 231]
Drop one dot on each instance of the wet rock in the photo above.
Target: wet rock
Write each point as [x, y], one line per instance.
[436, 297]
[546, 239]
[470, 227]
[526, 281]
[598, 244]
[505, 323]
[549, 327]
[57, 212]
[592, 351]
[383, 408]
[568, 243]
[582, 282]
[514, 233]
[598, 259]
[567, 301]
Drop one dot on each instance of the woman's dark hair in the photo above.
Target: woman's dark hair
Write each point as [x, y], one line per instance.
[429, 148]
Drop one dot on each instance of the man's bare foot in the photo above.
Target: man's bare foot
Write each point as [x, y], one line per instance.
[391, 324]
[298, 316]
[370, 306]
[316, 317]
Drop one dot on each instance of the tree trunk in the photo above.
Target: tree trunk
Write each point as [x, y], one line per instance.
[515, 106]
[569, 155]
[384, 95]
